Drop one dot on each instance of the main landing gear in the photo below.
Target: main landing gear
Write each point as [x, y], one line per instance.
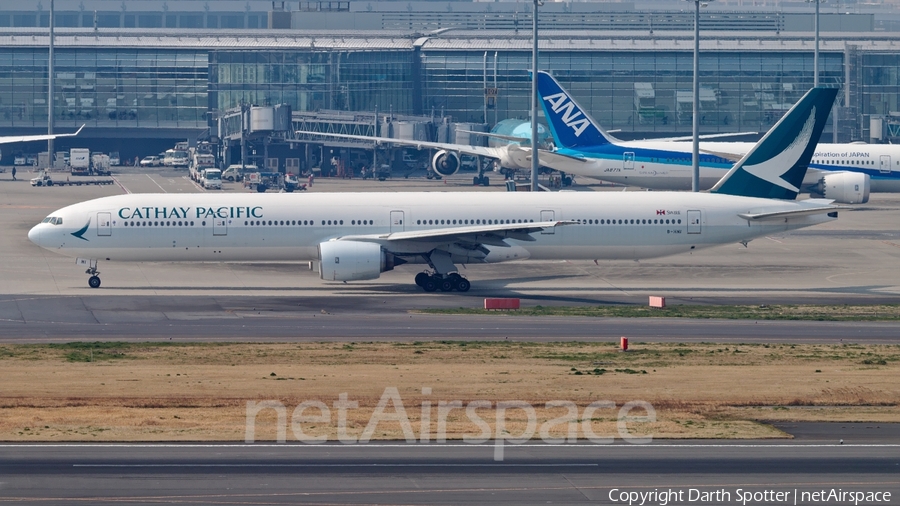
[448, 283]
[444, 276]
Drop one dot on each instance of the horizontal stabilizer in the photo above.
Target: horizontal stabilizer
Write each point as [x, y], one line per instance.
[778, 215]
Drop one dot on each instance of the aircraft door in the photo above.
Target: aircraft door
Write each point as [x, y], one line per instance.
[628, 160]
[104, 224]
[220, 226]
[694, 222]
[885, 164]
[397, 221]
[548, 216]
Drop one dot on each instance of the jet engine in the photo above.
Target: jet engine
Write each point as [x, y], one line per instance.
[445, 163]
[354, 260]
[844, 187]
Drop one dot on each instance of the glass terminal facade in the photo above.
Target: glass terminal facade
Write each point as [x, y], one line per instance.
[633, 91]
[312, 80]
[638, 91]
[105, 87]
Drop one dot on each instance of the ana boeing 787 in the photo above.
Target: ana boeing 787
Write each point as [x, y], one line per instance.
[357, 236]
[844, 173]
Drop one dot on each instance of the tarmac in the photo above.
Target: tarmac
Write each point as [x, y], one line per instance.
[45, 298]
[850, 260]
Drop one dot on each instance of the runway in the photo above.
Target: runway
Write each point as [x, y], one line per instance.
[457, 473]
[270, 319]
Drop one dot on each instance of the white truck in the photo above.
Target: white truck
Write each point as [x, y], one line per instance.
[100, 164]
[80, 161]
[199, 162]
[211, 179]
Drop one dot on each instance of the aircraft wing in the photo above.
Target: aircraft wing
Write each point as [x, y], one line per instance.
[511, 138]
[734, 157]
[492, 235]
[461, 148]
[705, 137]
[816, 206]
[548, 158]
[29, 138]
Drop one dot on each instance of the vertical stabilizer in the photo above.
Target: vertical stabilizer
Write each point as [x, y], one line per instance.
[776, 165]
[570, 124]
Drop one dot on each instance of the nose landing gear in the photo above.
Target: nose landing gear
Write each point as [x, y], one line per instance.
[94, 280]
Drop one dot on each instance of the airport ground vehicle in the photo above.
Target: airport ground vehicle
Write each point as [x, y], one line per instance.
[80, 161]
[19, 160]
[44, 179]
[177, 158]
[199, 163]
[100, 164]
[211, 179]
[114, 159]
[235, 173]
[263, 181]
[151, 161]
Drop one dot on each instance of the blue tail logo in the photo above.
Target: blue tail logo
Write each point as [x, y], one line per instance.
[570, 125]
[776, 165]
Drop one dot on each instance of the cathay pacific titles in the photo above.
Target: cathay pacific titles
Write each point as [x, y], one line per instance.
[129, 213]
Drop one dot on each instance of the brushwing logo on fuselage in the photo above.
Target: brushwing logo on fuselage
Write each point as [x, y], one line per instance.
[80, 233]
[774, 168]
[571, 116]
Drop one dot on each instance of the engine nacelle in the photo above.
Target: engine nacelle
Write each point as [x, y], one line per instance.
[354, 260]
[844, 187]
[445, 163]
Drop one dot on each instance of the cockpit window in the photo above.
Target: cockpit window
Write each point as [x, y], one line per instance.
[47, 219]
[53, 220]
[58, 221]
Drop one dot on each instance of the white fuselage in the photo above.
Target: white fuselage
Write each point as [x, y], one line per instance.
[666, 165]
[256, 227]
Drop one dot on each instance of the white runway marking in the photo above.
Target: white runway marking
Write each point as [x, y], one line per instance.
[157, 184]
[331, 465]
[488, 445]
[122, 186]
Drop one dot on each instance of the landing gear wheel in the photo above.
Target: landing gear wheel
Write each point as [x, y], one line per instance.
[446, 284]
[420, 278]
[429, 285]
[94, 281]
[485, 181]
[476, 181]
[462, 284]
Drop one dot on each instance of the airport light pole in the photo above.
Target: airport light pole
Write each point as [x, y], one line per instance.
[816, 53]
[535, 164]
[50, 146]
[695, 152]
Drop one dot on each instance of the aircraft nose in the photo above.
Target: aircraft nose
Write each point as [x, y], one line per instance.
[34, 235]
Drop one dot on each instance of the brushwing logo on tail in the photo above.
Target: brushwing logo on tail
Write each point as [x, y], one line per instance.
[571, 116]
[774, 168]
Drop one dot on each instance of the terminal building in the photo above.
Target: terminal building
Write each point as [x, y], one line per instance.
[143, 74]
